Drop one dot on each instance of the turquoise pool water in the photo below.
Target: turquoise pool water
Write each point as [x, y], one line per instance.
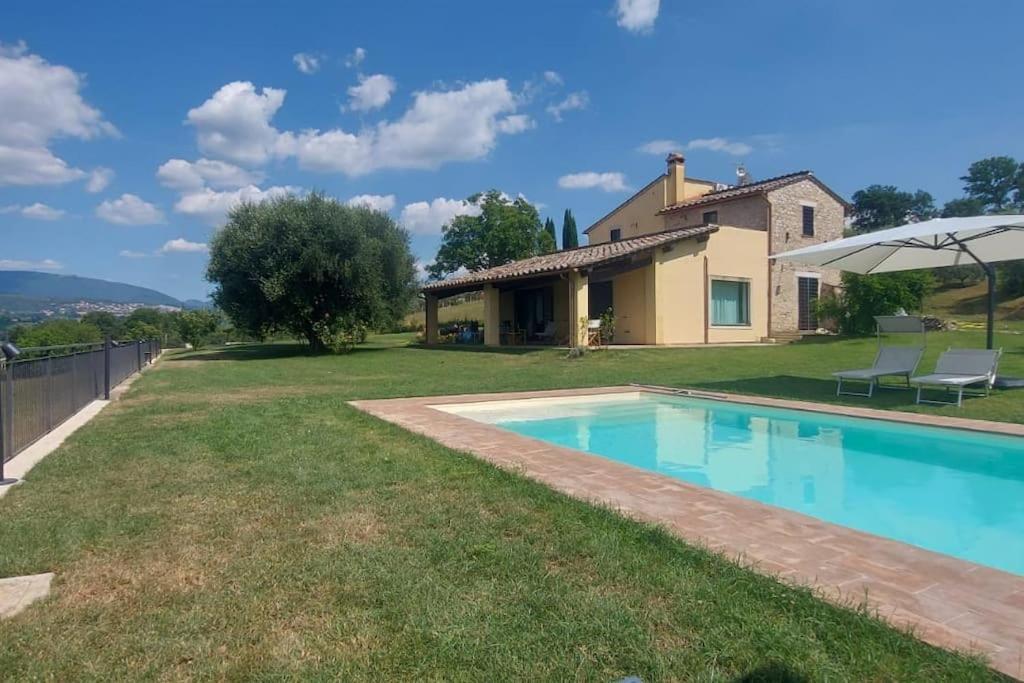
[952, 491]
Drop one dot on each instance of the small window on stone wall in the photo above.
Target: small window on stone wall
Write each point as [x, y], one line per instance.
[709, 218]
[808, 215]
[616, 234]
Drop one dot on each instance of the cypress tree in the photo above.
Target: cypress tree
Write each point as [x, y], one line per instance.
[570, 240]
[549, 226]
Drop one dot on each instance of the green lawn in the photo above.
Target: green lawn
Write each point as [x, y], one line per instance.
[233, 518]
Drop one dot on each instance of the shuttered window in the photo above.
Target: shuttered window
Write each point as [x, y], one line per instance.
[807, 291]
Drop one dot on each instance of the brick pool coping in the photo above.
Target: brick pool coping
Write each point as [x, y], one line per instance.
[948, 602]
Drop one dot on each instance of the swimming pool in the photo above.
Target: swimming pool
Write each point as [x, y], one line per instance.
[952, 491]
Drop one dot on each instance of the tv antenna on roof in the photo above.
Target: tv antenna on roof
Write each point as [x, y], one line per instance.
[742, 176]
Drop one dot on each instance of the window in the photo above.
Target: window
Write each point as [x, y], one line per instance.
[808, 221]
[730, 302]
[616, 234]
[807, 303]
[600, 298]
[710, 218]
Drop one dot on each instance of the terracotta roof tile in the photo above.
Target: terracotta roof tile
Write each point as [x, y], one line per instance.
[572, 259]
[766, 185]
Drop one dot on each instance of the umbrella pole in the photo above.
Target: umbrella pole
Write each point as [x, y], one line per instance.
[990, 273]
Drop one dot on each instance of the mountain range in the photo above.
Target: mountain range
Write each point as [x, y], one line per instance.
[31, 285]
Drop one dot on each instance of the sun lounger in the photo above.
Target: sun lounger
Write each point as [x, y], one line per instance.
[899, 361]
[960, 369]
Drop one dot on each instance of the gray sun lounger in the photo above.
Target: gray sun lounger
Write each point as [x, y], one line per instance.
[960, 369]
[897, 361]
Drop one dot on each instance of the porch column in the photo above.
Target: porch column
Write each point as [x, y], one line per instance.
[492, 315]
[579, 307]
[430, 308]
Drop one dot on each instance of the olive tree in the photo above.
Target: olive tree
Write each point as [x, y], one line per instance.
[313, 267]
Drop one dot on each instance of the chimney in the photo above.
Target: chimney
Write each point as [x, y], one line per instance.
[676, 177]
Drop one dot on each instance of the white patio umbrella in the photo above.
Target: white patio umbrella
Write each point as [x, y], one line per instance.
[983, 240]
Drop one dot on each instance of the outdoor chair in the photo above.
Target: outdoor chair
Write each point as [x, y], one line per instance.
[548, 333]
[960, 369]
[896, 361]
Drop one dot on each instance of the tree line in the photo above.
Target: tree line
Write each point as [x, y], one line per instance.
[170, 327]
[991, 186]
[994, 185]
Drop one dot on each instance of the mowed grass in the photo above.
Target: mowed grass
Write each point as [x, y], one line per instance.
[234, 518]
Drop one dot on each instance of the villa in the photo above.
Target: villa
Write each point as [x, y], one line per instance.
[682, 261]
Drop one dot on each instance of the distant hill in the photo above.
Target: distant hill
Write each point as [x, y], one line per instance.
[197, 304]
[25, 284]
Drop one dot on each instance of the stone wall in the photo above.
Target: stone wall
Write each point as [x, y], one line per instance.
[787, 234]
[748, 212]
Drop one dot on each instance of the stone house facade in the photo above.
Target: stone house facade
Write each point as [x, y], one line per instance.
[795, 210]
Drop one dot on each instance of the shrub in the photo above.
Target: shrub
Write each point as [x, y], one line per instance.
[865, 296]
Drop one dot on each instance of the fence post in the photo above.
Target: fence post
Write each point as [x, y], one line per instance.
[106, 368]
[74, 380]
[7, 422]
[138, 355]
[49, 392]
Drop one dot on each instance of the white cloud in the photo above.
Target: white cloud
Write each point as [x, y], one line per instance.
[37, 211]
[182, 246]
[373, 92]
[720, 145]
[427, 218]
[212, 207]
[376, 202]
[42, 212]
[41, 102]
[516, 123]
[574, 100]
[637, 16]
[439, 127]
[128, 253]
[306, 62]
[356, 58]
[553, 77]
[193, 175]
[234, 123]
[129, 209]
[99, 178]
[659, 147]
[17, 264]
[609, 182]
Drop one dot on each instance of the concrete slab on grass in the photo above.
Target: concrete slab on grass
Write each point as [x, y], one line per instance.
[18, 592]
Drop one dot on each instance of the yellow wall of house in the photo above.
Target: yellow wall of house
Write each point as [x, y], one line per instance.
[629, 302]
[579, 304]
[492, 315]
[739, 253]
[639, 215]
[667, 301]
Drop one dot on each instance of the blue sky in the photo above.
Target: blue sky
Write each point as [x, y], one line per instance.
[127, 130]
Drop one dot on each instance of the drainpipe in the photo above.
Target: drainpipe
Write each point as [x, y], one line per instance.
[768, 331]
[707, 296]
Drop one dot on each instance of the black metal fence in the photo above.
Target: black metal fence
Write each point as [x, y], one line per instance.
[45, 386]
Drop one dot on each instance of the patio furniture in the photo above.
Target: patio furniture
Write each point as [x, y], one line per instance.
[960, 369]
[548, 333]
[510, 335]
[890, 360]
[594, 332]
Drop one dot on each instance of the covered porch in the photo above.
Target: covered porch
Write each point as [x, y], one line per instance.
[528, 311]
[550, 299]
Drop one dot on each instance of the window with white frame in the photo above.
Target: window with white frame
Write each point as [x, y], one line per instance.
[730, 302]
